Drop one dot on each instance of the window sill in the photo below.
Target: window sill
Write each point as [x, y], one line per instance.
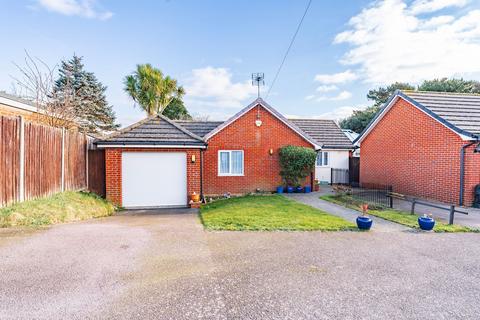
[230, 175]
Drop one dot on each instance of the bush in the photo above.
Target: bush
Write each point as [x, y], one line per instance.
[296, 163]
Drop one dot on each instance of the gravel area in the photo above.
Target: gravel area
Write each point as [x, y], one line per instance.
[163, 265]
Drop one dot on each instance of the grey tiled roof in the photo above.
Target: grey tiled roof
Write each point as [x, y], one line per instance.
[461, 110]
[156, 130]
[200, 128]
[16, 98]
[325, 132]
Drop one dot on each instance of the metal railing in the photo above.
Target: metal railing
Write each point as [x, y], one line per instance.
[414, 201]
[376, 194]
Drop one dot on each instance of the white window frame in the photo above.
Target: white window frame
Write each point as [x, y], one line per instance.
[230, 164]
[322, 157]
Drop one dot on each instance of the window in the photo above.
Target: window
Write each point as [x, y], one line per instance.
[322, 159]
[230, 163]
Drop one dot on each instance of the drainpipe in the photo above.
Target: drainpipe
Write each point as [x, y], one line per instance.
[462, 170]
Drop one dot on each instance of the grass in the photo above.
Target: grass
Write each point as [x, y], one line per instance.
[271, 212]
[401, 217]
[61, 207]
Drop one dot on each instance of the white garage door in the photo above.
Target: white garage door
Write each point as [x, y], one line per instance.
[154, 179]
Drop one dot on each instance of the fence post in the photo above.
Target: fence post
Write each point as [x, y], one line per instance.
[390, 190]
[452, 213]
[21, 194]
[63, 159]
[412, 211]
[86, 161]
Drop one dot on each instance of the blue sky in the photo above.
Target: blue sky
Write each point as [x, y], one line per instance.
[212, 47]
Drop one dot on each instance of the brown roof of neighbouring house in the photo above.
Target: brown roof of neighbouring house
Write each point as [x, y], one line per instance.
[325, 132]
[154, 130]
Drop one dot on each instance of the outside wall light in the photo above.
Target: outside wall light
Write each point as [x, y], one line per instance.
[270, 151]
[193, 158]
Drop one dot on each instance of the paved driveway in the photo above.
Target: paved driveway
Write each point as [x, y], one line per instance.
[165, 266]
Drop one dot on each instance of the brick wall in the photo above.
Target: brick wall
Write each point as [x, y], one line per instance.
[418, 156]
[113, 174]
[261, 170]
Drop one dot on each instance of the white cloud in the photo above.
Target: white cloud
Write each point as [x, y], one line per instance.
[335, 114]
[310, 97]
[390, 42]
[81, 8]
[344, 95]
[327, 88]
[425, 6]
[336, 78]
[214, 87]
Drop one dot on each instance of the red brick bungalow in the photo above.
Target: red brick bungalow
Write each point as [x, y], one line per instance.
[424, 144]
[160, 162]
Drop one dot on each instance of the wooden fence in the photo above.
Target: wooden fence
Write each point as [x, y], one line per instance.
[37, 161]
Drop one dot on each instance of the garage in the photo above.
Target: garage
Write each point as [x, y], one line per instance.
[147, 164]
[154, 179]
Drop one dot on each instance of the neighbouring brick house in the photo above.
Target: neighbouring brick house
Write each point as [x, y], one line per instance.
[160, 162]
[423, 144]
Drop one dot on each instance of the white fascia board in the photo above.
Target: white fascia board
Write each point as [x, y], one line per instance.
[19, 105]
[104, 146]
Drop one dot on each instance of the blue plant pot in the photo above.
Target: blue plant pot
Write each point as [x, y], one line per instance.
[280, 189]
[364, 223]
[426, 223]
[289, 189]
[298, 189]
[307, 189]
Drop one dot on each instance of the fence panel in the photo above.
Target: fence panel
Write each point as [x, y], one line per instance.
[340, 176]
[354, 171]
[96, 171]
[9, 159]
[43, 160]
[75, 157]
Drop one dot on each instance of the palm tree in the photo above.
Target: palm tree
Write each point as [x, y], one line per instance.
[151, 90]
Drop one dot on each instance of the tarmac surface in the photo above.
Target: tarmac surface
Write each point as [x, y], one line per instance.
[162, 264]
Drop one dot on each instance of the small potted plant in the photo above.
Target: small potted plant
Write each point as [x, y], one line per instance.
[364, 222]
[426, 222]
[195, 197]
[316, 185]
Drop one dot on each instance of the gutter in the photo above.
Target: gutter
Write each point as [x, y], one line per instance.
[462, 171]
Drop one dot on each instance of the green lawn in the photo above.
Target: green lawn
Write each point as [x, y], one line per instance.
[397, 216]
[61, 207]
[272, 212]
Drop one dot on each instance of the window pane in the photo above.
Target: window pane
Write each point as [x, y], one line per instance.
[224, 162]
[325, 158]
[319, 159]
[237, 162]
